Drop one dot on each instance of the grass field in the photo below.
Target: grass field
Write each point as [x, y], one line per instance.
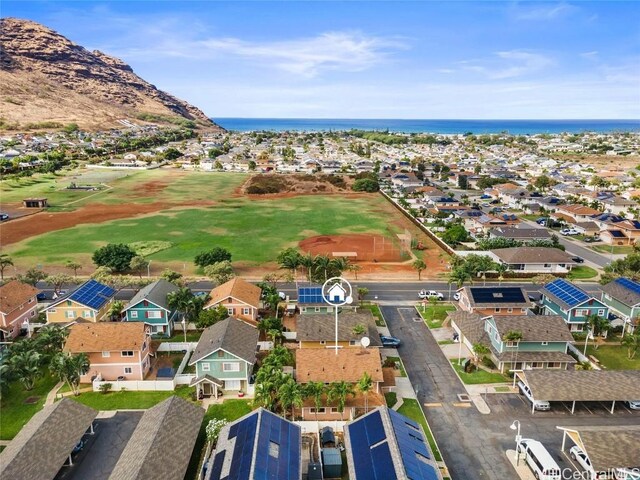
[617, 249]
[129, 400]
[479, 376]
[434, 316]
[273, 224]
[614, 357]
[582, 273]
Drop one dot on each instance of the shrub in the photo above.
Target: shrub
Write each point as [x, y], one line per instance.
[105, 387]
[116, 256]
[366, 185]
[215, 255]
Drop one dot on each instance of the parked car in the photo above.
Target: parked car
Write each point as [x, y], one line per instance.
[495, 210]
[583, 461]
[542, 220]
[569, 231]
[494, 202]
[3, 217]
[79, 446]
[456, 296]
[633, 404]
[577, 259]
[425, 294]
[541, 405]
[41, 296]
[592, 239]
[485, 197]
[390, 341]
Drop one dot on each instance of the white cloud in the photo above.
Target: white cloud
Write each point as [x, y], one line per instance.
[590, 55]
[544, 12]
[508, 64]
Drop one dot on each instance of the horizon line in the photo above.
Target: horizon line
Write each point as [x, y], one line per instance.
[441, 119]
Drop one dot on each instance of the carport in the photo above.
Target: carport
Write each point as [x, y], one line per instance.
[582, 385]
[610, 449]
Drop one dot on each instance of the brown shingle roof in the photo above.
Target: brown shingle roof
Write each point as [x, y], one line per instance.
[14, 294]
[610, 447]
[318, 327]
[237, 288]
[579, 209]
[106, 337]
[540, 255]
[323, 365]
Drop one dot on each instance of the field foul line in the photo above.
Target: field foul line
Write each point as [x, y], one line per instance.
[109, 187]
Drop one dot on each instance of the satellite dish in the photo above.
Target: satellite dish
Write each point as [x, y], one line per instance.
[365, 341]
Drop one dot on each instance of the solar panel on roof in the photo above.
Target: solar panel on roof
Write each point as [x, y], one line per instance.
[567, 292]
[216, 468]
[629, 284]
[310, 295]
[412, 446]
[498, 295]
[382, 463]
[92, 294]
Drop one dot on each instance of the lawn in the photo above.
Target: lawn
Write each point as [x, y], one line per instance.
[375, 310]
[229, 410]
[14, 412]
[479, 376]
[397, 361]
[178, 336]
[617, 249]
[434, 316]
[391, 398]
[411, 408]
[274, 225]
[129, 400]
[614, 357]
[582, 273]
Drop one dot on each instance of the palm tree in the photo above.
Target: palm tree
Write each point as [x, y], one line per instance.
[315, 390]
[290, 395]
[479, 352]
[274, 334]
[51, 339]
[322, 265]
[115, 311]
[513, 336]
[419, 266]
[306, 261]
[501, 268]
[5, 261]
[180, 300]
[69, 369]
[25, 366]
[599, 325]
[362, 293]
[338, 391]
[632, 342]
[365, 385]
[340, 264]
[355, 268]
[459, 276]
[291, 260]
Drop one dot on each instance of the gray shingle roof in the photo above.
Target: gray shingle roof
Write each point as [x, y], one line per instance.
[318, 327]
[533, 255]
[232, 335]
[44, 443]
[520, 233]
[621, 293]
[155, 293]
[535, 328]
[471, 325]
[162, 443]
[610, 447]
[584, 385]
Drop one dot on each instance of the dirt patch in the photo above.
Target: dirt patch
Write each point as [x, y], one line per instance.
[31, 400]
[367, 247]
[151, 188]
[296, 184]
[44, 222]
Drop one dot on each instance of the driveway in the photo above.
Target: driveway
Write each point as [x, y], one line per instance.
[473, 445]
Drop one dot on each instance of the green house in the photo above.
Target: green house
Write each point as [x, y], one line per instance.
[623, 297]
[150, 306]
[224, 358]
[572, 303]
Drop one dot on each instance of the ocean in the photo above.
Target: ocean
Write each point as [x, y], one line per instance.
[516, 127]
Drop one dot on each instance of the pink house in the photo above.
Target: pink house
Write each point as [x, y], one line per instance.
[18, 306]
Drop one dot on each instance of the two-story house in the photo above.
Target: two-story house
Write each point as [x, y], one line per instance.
[573, 304]
[494, 300]
[310, 301]
[622, 295]
[18, 306]
[348, 365]
[116, 350]
[90, 302]
[224, 357]
[318, 330]
[150, 306]
[239, 297]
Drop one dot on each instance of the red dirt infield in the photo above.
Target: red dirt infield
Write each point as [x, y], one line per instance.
[367, 247]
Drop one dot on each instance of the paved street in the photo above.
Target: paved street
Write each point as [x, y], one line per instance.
[473, 444]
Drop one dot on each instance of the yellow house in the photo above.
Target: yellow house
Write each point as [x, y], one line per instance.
[91, 302]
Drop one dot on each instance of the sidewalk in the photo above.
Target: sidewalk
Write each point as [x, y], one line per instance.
[522, 470]
[51, 396]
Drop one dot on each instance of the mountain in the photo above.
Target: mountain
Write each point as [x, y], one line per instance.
[47, 80]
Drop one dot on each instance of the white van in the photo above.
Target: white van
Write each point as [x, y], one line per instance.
[537, 404]
[539, 460]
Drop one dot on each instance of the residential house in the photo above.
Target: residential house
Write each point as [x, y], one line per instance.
[494, 300]
[383, 444]
[589, 228]
[310, 301]
[622, 295]
[224, 357]
[18, 307]
[150, 306]
[239, 297]
[403, 180]
[630, 228]
[90, 302]
[544, 343]
[535, 259]
[260, 445]
[579, 213]
[348, 365]
[521, 233]
[615, 236]
[116, 350]
[318, 331]
[563, 298]
[607, 220]
[618, 205]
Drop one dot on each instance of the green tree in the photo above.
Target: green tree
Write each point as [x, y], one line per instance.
[171, 276]
[115, 311]
[172, 154]
[290, 395]
[51, 339]
[355, 268]
[632, 342]
[480, 351]
[543, 182]
[291, 260]
[459, 275]
[599, 325]
[215, 255]
[211, 316]
[338, 392]
[116, 256]
[32, 276]
[25, 367]
[75, 266]
[182, 301]
[252, 165]
[455, 234]
[220, 272]
[138, 264]
[70, 368]
[306, 261]
[58, 281]
[322, 267]
[315, 390]
[5, 261]
[366, 185]
[419, 265]
[364, 386]
[362, 293]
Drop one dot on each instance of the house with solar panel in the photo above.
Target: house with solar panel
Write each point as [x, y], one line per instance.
[90, 302]
[622, 296]
[260, 445]
[573, 304]
[310, 300]
[385, 445]
[150, 306]
[494, 300]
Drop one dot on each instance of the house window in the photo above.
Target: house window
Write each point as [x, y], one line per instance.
[106, 354]
[553, 365]
[68, 303]
[497, 310]
[206, 367]
[522, 310]
[230, 310]
[509, 310]
[334, 410]
[246, 311]
[154, 314]
[127, 353]
[320, 410]
[220, 354]
[316, 309]
[86, 313]
[601, 312]
[512, 344]
[232, 385]
[547, 265]
[231, 367]
[134, 314]
[128, 370]
[304, 309]
[352, 342]
[323, 342]
[69, 314]
[545, 343]
[537, 365]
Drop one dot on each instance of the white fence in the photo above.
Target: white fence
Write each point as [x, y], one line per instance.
[290, 335]
[265, 345]
[177, 346]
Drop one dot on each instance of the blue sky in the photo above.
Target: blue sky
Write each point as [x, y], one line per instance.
[370, 59]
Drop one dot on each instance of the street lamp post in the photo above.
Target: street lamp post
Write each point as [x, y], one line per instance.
[586, 342]
[184, 328]
[516, 426]
[149, 269]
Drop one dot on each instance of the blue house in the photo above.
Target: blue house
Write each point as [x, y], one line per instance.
[573, 304]
[150, 306]
[260, 445]
[385, 445]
